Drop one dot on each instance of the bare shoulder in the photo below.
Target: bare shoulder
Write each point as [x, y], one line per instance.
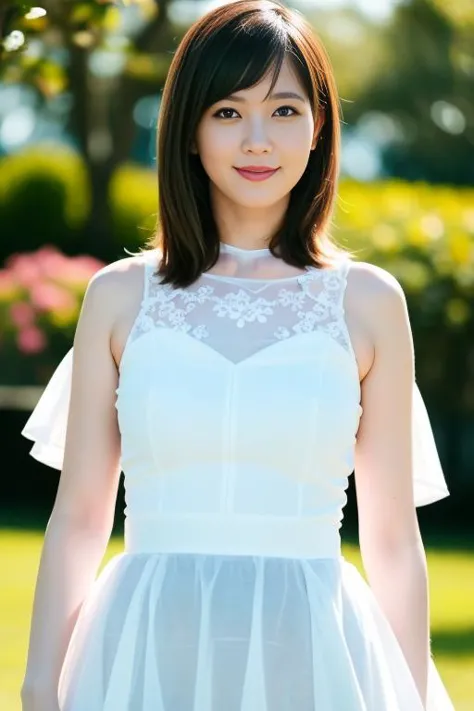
[111, 301]
[375, 311]
[373, 282]
[116, 286]
[114, 278]
[375, 293]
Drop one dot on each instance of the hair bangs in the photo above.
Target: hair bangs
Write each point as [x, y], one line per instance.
[251, 52]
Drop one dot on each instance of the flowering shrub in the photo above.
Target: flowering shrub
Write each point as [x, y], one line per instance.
[424, 236]
[40, 298]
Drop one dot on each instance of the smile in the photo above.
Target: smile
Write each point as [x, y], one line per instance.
[256, 175]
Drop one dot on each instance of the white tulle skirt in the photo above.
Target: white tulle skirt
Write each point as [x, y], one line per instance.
[187, 632]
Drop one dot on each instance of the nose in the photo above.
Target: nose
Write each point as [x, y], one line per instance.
[256, 139]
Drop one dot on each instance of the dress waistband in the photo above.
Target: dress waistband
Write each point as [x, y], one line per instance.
[233, 535]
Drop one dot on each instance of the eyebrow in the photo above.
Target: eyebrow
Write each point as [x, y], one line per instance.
[279, 95]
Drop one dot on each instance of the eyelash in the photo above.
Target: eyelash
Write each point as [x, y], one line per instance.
[295, 112]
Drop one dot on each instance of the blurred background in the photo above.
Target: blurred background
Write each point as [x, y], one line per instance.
[80, 87]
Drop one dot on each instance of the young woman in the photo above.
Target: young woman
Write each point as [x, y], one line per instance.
[238, 371]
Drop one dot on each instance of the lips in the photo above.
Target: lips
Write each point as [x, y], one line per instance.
[256, 173]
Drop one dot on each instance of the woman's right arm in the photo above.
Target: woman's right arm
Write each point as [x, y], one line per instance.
[81, 521]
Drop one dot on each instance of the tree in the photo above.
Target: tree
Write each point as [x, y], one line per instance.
[425, 82]
[66, 36]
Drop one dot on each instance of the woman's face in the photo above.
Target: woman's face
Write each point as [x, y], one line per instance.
[246, 130]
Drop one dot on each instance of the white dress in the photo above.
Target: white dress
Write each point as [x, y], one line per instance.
[238, 405]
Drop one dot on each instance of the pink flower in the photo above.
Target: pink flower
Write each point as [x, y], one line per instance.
[31, 340]
[51, 262]
[24, 269]
[88, 263]
[50, 297]
[79, 270]
[22, 314]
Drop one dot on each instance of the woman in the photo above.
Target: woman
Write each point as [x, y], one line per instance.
[237, 371]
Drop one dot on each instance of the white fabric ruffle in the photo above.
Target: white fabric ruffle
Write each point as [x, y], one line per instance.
[430, 484]
[47, 425]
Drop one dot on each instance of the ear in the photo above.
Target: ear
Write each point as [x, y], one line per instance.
[193, 148]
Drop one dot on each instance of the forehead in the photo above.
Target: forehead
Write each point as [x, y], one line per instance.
[287, 81]
[286, 86]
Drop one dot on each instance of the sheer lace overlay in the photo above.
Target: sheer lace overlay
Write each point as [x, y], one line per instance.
[237, 316]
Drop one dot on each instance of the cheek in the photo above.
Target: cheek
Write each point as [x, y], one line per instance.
[214, 142]
[215, 162]
[216, 154]
[297, 140]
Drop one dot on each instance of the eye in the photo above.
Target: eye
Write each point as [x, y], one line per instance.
[221, 111]
[286, 108]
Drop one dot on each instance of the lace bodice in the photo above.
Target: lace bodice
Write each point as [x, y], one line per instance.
[239, 316]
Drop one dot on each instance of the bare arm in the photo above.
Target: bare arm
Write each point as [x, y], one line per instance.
[390, 540]
[82, 517]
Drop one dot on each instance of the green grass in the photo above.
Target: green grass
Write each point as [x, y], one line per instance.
[452, 612]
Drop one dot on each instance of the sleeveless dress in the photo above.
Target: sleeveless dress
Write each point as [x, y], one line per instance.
[238, 406]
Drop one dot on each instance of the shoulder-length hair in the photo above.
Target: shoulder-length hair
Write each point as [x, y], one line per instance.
[227, 50]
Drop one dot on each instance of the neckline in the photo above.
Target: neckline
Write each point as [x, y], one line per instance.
[226, 247]
[250, 280]
[247, 255]
[309, 271]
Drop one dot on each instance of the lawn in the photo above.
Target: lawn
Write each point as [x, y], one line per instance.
[452, 613]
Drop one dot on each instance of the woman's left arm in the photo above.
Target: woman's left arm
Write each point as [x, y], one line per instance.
[390, 541]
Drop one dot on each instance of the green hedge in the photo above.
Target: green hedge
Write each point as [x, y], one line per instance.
[44, 198]
[133, 198]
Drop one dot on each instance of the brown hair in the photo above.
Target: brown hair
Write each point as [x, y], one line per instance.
[229, 49]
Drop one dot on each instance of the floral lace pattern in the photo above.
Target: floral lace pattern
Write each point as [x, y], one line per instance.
[230, 316]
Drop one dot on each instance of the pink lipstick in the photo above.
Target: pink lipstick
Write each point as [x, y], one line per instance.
[256, 173]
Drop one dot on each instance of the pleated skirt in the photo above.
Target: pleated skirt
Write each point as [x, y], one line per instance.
[198, 632]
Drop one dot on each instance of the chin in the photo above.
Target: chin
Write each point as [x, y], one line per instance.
[258, 196]
[257, 203]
